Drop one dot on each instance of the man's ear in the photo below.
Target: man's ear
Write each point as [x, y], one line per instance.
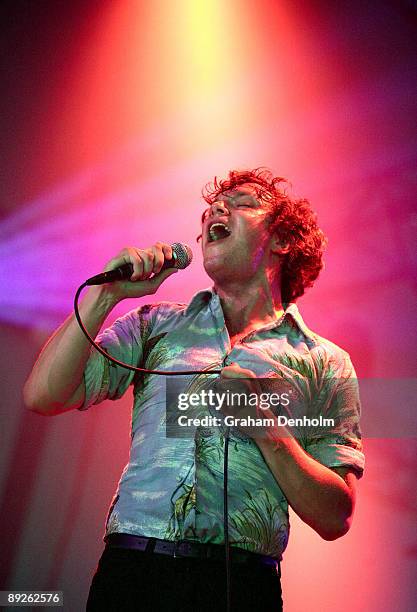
[278, 246]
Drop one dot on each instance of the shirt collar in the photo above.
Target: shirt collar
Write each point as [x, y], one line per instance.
[205, 296]
[200, 299]
[293, 312]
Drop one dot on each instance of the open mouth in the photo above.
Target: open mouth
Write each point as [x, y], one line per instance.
[218, 231]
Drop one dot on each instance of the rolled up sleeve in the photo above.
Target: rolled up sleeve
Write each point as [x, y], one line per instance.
[341, 445]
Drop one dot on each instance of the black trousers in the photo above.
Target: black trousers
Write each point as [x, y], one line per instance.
[129, 580]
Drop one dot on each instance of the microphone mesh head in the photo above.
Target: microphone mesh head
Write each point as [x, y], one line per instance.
[183, 255]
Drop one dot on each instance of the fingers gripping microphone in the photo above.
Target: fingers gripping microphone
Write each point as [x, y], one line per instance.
[182, 256]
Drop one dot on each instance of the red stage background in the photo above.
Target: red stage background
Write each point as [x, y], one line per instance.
[113, 115]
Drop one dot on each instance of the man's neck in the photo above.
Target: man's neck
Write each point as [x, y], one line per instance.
[249, 308]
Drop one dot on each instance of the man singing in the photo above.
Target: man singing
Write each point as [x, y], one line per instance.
[164, 531]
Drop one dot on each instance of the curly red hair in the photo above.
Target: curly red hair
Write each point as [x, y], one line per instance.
[293, 219]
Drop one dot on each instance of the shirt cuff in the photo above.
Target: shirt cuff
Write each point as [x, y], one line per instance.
[333, 454]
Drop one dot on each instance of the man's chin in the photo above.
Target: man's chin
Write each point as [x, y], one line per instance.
[211, 267]
[219, 270]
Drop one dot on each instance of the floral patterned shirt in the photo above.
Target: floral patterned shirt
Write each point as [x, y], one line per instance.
[172, 488]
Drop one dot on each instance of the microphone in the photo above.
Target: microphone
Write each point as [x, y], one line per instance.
[182, 256]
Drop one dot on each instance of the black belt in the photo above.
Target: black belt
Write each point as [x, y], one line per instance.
[186, 548]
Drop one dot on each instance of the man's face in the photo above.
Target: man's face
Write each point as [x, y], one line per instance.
[235, 235]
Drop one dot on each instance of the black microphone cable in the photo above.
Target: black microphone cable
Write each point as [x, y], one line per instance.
[226, 520]
[226, 439]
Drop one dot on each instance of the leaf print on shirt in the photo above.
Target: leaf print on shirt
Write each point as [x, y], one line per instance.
[113, 525]
[315, 385]
[153, 357]
[208, 448]
[154, 354]
[183, 505]
[259, 524]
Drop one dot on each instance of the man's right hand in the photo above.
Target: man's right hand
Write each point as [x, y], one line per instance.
[147, 275]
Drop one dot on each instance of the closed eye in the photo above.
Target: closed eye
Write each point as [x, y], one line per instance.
[244, 201]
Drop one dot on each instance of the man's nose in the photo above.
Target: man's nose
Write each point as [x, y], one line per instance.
[219, 208]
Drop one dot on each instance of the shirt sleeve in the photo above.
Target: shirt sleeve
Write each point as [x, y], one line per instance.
[125, 341]
[340, 444]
